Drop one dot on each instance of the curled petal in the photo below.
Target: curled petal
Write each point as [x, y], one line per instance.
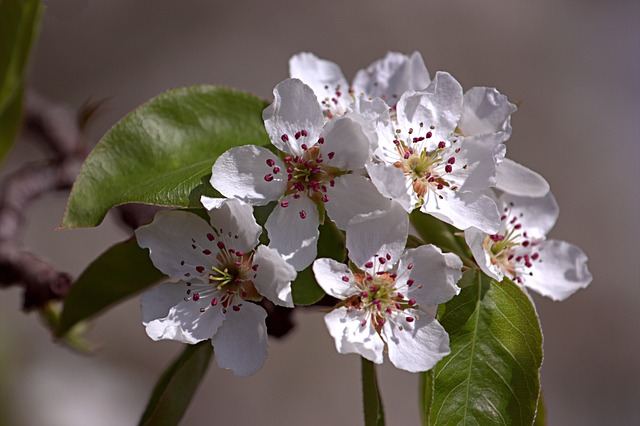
[392, 183]
[234, 222]
[560, 271]
[273, 276]
[352, 195]
[464, 210]
[378, 234]
[241, 342]
[294, 109]
[485, 110]
[415, 345]
[536, 215]
[475, 239]
[516, 179]
[293, 231]
[433, 273]
[243, 173]
[323, 76]
[330, 275]
[353, 333]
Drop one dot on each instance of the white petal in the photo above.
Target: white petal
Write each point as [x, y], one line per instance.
[184, 322]
[485, 110]
[516, 179]
[177, 243]
[273, 276]
[464, 210]
[559, 272]
[392, 183]
[294, 109]
[241, 172]
[390, 77]
[293, 236]
[474, 238]
[321, 75]
[439, 105]
[380, 233]
[477, 162]
[235, 224]
[351, 336]
[434, 275]
[536, 215]
[156, 302]
[419, 345]
[240, 344]
[374, 115]
[330, 275]
[346, 139]
[353, 195]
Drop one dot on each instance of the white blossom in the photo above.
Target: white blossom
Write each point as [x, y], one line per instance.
[220, 274]
[521, 252]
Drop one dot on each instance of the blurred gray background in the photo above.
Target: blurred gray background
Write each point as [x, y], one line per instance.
[572, 66]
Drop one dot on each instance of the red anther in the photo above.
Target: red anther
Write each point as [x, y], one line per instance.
[525, 243]
[448, 168]
[284, 203]
[255, 267]
[210, 236]
[270, 162]
[364, 294]
[214, 301]
[220, 245]
[304, 146]
[441, 145]
[429, 134]
[268, 177]
[451, 160]
[518, 226]
[304, 133]
[239, 253]
[206, 252]
[303, 214]
[331, 154]
[235, 308]
[373, 288]
[535, 256]
[332, 183]
[200, 269]
[321, 141]
[388, 256]
[412, 302]
[196, 297]
[297, 135]
[410, 282]
[406, 155]
[409, 319]
[296, 196]
[325, 198]
[368, 264]
[284, 138]
[440, 186]
[410, 266]
[236, 263]
[382, 260]
[276, 170]
[345, 279]
[287, 159]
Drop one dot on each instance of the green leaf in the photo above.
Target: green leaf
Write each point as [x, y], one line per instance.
[425, 394]
[373, 411]
[492, 374]
[177, 385]
[541, 412]
[162, 152]
[122, 271]
[19, 25]
[304, 289]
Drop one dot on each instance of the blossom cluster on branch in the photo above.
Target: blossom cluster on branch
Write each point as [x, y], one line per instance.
[364, 156]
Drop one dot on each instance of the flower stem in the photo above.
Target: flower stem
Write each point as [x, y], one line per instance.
[373, 412]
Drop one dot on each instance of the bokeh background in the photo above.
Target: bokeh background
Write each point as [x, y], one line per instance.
[572, 65]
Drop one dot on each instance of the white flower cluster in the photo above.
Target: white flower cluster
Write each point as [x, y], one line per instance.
[364, 155]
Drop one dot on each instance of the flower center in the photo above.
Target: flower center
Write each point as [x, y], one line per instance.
[426, 170]
[511, 249]
[378, 295]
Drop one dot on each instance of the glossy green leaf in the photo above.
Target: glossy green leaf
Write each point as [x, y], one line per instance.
[177, 385]
[305, 290]
[162, 152]
[425, 394]
[541, 412]
[373, 410]
[19, 25]
[492, 374]
[122, 271]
